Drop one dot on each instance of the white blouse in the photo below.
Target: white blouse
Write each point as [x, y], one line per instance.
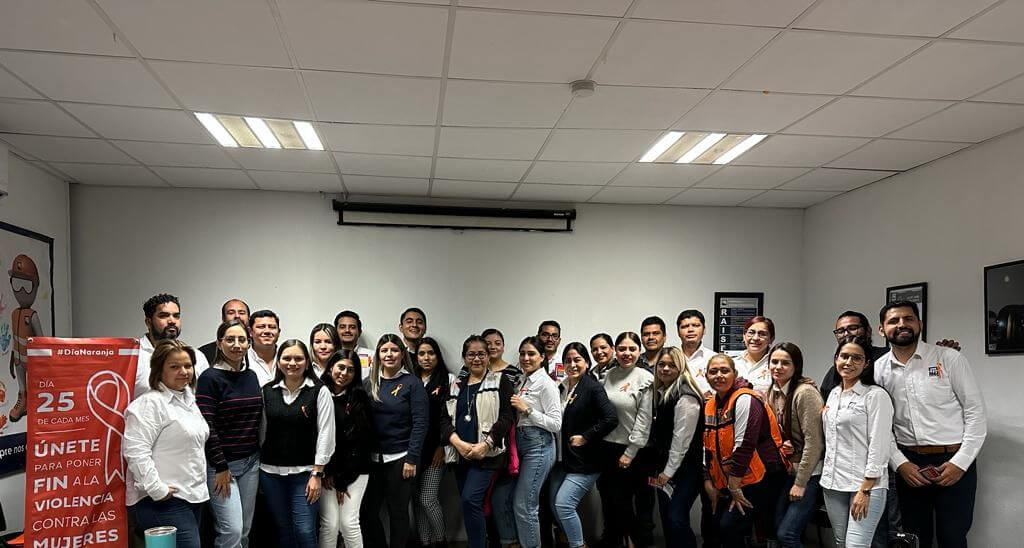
[164, 440]
[858, 433]
[756, 372]
[540, 394]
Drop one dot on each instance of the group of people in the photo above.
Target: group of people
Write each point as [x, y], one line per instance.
[329, 435]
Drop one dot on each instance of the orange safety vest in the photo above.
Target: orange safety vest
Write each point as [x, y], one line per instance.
[21, 323]
[719, 438]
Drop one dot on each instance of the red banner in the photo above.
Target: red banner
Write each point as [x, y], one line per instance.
[78, 390]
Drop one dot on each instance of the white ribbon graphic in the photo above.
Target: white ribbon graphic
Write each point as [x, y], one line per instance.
[111, 415]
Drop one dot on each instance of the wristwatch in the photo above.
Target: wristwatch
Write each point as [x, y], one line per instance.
[866, 492]
[316, 474]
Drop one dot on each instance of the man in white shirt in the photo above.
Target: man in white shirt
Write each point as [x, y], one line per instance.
[652, 335]
[350, 328]
[163, 321]
[939, 426]
[265, 327]
[550, 334]
[690, 326]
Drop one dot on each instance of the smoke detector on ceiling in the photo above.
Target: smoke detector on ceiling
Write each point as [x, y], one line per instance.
[583, 88]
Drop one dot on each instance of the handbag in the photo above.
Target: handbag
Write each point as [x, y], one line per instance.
[513, 453]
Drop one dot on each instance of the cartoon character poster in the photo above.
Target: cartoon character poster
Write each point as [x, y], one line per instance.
[26, 310]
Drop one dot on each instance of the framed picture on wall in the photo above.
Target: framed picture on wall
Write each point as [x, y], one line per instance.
[1004, 308]
[732, 310]
[915, 293]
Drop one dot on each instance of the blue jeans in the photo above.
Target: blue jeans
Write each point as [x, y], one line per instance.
[233, 514]
[473, 484]
[536, 455]
[848, 532]
[675, 510]
[295, 519]
[567, 490]
[502, 508]
[175, 512]
[791, 517]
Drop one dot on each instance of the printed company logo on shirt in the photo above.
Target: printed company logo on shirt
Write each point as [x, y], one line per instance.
[936, 370]
[624, 388]
[396, 390]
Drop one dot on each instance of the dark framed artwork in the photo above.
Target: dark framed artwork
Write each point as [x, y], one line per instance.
[916, 293]
[1004, 308]
[732, 310]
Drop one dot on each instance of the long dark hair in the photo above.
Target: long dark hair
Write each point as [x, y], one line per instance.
[440, 372]
[331, 331]
[798, 377]
[308, 372]
[357, 370]
[867, 376]
[221, 330]
[534, 341]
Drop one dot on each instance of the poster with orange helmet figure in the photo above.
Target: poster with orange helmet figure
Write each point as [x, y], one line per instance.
[26, 310]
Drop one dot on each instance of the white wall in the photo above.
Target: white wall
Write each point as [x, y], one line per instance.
[39, 202]
[941, 224]
[285, 251]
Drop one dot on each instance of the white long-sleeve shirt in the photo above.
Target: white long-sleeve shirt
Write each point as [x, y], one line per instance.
[164, 440]
[756, 373]
[937, 402]
[858, 434]
[687, 414]
[697, 363]
[540, 394]
[142, 366]
[631, 391]
[325, 433]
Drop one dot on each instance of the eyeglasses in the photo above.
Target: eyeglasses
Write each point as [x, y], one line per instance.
[549, 336]
[760, 334]
[476, 355]
[852, 358]
[851, 329]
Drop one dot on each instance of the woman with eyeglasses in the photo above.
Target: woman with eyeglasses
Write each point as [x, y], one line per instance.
[540, 418]
[475, 421]
[858, 432]
[432, 371]
[502, 504]
[752, 363]
[624, 488]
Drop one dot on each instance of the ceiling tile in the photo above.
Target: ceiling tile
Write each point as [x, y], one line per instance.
[369, 99]
[231, 90]
[391, 166]
[526, 47]
[798, 151]
[1010, 92]
[20, 116]
[972, 122]
[597, 145]
[306, 161]
[778, 13]
[1002, 23]
[296, 182]
[663, 175]
[678, 54]
[554, 193]
[471, 189]
[409, 140]
[614, 8]
[789, 198]
[240, 32]
[836, 180]
[175, 154]
[12, 87]
[865, 116]
[141, 124]
[751, 177]
[573, 173]
[57, 25]
[503, 104]
[500, 144]
[366, 36]
[200, 177]
[749, 111]
[712, 197]
[480, 170]
[907, 17]
[818, 62]
[949, 70]
[89, 79]
[363, 184]
[110, 175]
[633, 195]
[613, 107]
[67, 149]
[896, 155]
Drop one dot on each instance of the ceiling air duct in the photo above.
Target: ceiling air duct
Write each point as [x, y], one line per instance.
[454, 217]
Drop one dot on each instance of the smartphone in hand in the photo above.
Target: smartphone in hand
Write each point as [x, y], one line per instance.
[930, 472]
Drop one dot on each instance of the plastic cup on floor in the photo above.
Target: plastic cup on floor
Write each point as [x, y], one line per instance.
[161, 537]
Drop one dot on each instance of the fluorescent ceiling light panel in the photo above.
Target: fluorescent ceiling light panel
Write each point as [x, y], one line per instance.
[218, 132]
[740, 148]
[240, 131]
[260, 128]
[309, 135]
[661, 146]
[701, 148]
[286, 134]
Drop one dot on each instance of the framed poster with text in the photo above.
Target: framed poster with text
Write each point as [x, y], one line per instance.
[916, 293]
[732, 310]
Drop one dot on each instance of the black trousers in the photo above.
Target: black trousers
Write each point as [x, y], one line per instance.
[386, 487]
[941, 513]
[627, 499]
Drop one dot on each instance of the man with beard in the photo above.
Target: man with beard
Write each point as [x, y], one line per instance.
[265, 327]
[232, 309]
[652, 335]
[939, 425]
[163, 322]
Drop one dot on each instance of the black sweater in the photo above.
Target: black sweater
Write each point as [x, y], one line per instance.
[437, 395]
[589, 414]
[354, 439]
[400, 417]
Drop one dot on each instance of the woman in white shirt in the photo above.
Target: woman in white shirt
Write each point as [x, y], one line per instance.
[540, 418]
[299, 441]
[858, 432]
[752, 363]
[164, 440]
